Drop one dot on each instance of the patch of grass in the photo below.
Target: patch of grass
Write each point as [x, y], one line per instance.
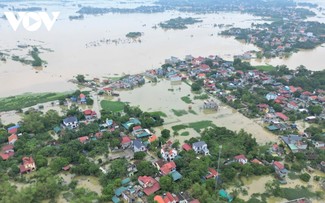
[192, 112]
[179, 127]
[198, 126]
[296, 193]
[186, 133]
[265, 68]
[179, 112]
[293, 176]
[28, 100]
[186, 99]
[201, 97]
[158, 113]
[114, 106]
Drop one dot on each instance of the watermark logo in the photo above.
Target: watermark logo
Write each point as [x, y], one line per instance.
[37, 19]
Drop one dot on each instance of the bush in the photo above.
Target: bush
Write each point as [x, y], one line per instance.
[305, 177]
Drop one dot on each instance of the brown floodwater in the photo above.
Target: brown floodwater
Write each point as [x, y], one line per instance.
[80, 46]
[165, 100]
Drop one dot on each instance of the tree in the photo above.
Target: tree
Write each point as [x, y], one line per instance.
[195, 87]
[165, 183]
[146, 168]
[305, 177]
[81, 78]
[57, 164]
[165, 133]
[315, 109]
[139, 155]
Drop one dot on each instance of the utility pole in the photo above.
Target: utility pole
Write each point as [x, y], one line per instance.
[220, 148]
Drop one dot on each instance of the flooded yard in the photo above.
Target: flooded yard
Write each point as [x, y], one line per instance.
[159, 97]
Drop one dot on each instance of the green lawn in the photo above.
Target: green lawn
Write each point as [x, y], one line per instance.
[265, 68]
[114, 106]
[197, 126]
[177, 128]
[28, 100]
[192, 112]
[201, 97]
[158, 113]
[186, 99]
[179, 112]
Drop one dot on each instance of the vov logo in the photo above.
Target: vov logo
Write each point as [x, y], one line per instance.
[25, 18]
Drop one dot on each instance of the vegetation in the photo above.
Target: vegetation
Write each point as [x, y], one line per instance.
[186, 99]
[37, 61]
[201, 97]
[134, 35]
[158, 113]
[114, 106]
[179, 112]
[179, 23]
[185, 133]
[28, 100]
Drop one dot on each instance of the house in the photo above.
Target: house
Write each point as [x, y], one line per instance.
[186, 147]
[295, 143]
[126, 142]
[256, 161]
[280, 169]
[167, 152]
[168, 168]
[138, 146]
[263, 107]
[70, 122]
[293, 106]
[132, 121]
[271, 96]
[319, 144]
[200, 147]
[281, 116]
[149, 184]
[13, 129]
[6, 152]
[140, 133]
[90, 114]
[166, 198]
[12, 139]
[241, 159]
[83, 99]
[27, 165]
[83, 139]
[152, 138]
[212, 173]
[108, 90]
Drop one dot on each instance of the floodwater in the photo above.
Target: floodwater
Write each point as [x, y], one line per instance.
[97, 45]
[149, 100]
[256, 184]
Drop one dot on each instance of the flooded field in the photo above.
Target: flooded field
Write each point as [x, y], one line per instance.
[103, 49]
[147, 98]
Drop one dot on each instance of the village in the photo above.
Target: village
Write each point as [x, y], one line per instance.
[122, 143]
[280, 39]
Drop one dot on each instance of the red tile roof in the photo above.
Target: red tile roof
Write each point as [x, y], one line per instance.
[186, 147]
[151, 185]
[195, 201]
[6, 156]
[241, 156]
[159, 199]
[125, 140]
[12, 137]
[278, 165]
[89, 112]
[7, 147]
[152, 138]
[83, 139]
[82, 96]
[167, 168]
[282, 116]
[138, 127]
